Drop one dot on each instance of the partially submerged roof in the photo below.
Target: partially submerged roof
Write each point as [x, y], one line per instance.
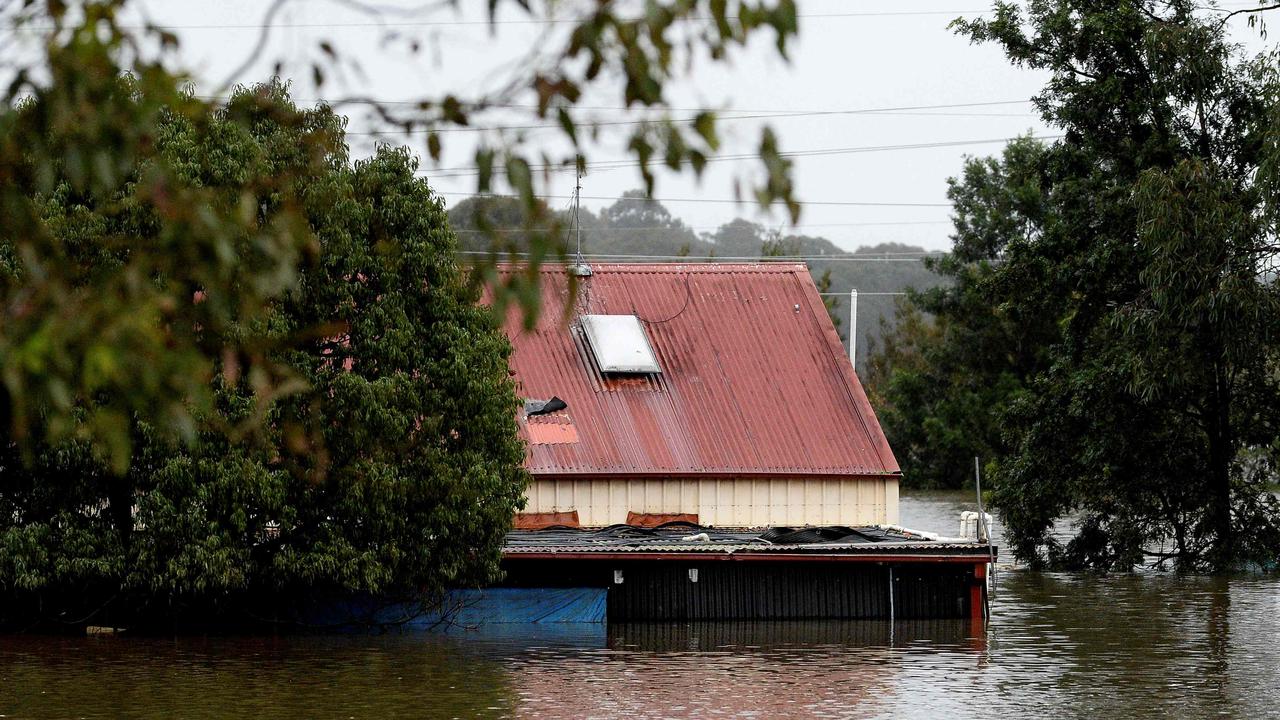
[749, 378]
[685, 540]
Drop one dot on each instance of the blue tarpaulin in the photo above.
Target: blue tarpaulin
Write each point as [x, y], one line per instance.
[470, 609]
[523, 605]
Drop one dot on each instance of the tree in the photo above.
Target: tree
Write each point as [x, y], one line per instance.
[226, 365]
[739, 238]
[81, 357]
[958, 354]
[105, 242]
[393, 469]
[1119, 278]
[636, 224]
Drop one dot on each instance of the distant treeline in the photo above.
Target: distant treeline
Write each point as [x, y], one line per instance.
[637, 226]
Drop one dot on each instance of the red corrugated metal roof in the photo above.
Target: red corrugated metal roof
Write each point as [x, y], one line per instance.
[754, 379]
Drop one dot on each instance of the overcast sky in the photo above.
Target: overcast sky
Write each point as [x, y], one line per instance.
[851, 56]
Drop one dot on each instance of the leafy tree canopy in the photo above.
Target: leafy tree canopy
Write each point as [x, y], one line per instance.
[82, 354]
[392, 467]
[1110, 341]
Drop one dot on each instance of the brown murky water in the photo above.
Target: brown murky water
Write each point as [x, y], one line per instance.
[1058, 645]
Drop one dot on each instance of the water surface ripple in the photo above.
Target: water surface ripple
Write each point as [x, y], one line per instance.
[1069, 646]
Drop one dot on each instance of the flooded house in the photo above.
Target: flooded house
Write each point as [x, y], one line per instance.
[701, 449]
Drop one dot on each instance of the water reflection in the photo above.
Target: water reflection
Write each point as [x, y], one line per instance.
[1063, 645]
[764, 635]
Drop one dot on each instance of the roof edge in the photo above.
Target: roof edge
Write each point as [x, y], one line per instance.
[852, 383]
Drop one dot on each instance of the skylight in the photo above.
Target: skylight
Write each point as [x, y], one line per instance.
[619, 344]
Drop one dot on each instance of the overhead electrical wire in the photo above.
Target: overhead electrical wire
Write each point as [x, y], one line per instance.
[861, 294]
[400, 22]
[774, 111]
[612, 230]
[729, 258]
[761, 115]
[818, 152]
[726, 201]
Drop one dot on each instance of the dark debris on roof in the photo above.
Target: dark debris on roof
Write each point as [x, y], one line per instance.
[689, 537]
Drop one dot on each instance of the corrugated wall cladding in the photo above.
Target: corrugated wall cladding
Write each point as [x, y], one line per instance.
[722, 502]
[754, 379]
[664, 591]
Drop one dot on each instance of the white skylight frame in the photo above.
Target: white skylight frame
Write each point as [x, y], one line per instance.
[620, 344]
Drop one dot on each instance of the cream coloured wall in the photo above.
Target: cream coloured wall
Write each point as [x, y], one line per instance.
[742, 502]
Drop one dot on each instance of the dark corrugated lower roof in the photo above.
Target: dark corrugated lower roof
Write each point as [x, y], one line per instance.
[680, 538]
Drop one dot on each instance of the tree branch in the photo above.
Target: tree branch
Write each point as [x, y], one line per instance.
[1246, 11]
[258, 47]
[1078, 71]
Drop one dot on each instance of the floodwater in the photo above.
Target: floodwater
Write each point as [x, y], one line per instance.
[1063, 646]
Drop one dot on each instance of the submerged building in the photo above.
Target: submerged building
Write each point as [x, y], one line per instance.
[701, 449]
[717, 394]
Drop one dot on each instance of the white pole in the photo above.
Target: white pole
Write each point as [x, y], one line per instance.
[853, 329]
[982, 521]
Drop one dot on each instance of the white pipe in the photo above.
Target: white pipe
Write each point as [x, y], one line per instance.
[853, 329]
[934, 537]
[891, 605]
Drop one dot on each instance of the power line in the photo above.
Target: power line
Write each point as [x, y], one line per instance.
[861, 294]
[614, 230]
[592, 124]
[613, 164]
[762, 115]
[488, 105]
[399, 23]
[728, 258]
[833, 203]
[907, 254]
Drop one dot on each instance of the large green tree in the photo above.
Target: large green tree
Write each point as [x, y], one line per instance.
[105, 241]
[1114, 325]
[81, 354]
[958, 354]
[392, 467]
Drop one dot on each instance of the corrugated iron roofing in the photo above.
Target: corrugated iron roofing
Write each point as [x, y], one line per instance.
[681, 538]
[754, 379]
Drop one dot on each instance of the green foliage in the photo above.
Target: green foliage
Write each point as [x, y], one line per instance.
[957, 355]
[233, 361]
[627, 52]
[107, 239]
[1112, 335]
[393, 466]
[81, 356]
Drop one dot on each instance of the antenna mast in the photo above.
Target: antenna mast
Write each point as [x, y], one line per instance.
[579, 266]
[577, 224]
